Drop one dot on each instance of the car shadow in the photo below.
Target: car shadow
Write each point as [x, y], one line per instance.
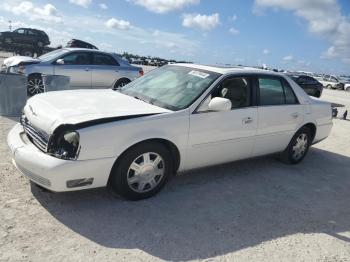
[217, 210]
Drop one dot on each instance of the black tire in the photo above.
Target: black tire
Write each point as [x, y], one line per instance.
[35, 85]
[289, 154]
[347, 89]
[28, 53]
[119, 180]
[120, 83]
[329, 87]
[318, 94]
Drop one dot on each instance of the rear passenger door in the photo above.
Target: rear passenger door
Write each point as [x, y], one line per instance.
[279, 114]
[105, 70]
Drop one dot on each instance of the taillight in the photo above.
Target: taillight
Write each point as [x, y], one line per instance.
[141, 73]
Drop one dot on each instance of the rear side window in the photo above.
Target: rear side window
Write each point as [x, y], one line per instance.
[102, 59]
[273, 91]
[291, 99]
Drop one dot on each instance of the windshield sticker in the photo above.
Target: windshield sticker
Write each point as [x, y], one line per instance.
[199, 74]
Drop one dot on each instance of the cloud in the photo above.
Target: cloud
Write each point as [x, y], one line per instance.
[233, 18]
[47, 13]
[233, 31]
[324, 19]
[202, 22]
[103, 6]
[118, 24]
[82, 3]
[164, 6]
[266, 51]
[288, 58]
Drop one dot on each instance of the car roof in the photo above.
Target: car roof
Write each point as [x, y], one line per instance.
[229, 69]
[85, 49]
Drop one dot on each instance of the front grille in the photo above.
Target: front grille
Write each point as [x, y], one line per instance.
[37, 179]
[39, 138]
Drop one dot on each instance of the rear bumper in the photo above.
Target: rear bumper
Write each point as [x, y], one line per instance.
[53, 173]
[322, 132]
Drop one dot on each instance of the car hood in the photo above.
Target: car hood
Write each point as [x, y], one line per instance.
[16, 60]
[49, 110]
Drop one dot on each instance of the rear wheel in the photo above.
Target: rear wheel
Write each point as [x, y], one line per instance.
[120, 83]
[28, 53]
[35, 85]
[298, 147]
[329, 87]
[142, 171]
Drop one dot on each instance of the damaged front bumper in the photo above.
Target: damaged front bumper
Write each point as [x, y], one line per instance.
[56, 174]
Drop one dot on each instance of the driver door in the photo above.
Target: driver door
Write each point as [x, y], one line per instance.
[76, 65]
[219, 137]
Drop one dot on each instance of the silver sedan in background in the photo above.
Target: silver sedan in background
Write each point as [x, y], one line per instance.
[86, 68]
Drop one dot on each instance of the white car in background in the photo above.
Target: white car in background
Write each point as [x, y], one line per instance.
[331, 82]
[175, 118]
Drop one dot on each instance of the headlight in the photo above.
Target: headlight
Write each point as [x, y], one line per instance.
[65, 145]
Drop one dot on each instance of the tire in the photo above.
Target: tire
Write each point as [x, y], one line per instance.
[133, 179]
[120, 83]
[347, 89]
[28, 53]
[318, 94]
[329, 87]
[294, 154]
[35, 85]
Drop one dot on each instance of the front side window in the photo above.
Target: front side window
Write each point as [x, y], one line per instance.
[20, 31]
[171, 87]
[77, 59]
[102, 59]
[236, 89]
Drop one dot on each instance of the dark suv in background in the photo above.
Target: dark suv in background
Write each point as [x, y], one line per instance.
[30, 36]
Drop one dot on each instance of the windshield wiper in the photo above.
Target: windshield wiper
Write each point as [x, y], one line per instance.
[142, 99]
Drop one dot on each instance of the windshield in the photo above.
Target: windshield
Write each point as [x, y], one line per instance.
[171, 87]
[49, 56]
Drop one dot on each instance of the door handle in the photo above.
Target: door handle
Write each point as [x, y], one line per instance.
[247, 120]
[295, 115]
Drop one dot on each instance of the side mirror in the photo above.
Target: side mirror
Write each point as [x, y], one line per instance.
[60, 61]
[220, 104]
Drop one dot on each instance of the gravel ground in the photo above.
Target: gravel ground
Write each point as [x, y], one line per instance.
[254, 210]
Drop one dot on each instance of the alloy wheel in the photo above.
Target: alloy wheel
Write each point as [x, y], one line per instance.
[300, 146]
[146, 172]
[35, 86]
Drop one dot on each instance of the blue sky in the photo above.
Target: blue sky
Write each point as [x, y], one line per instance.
[311, 35]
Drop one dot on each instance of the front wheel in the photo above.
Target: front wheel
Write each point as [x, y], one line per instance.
[35, 85]
[298, 147]
[329, 87]
[142, 171]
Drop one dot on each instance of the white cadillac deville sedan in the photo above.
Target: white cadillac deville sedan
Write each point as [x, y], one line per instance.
[175, 118]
